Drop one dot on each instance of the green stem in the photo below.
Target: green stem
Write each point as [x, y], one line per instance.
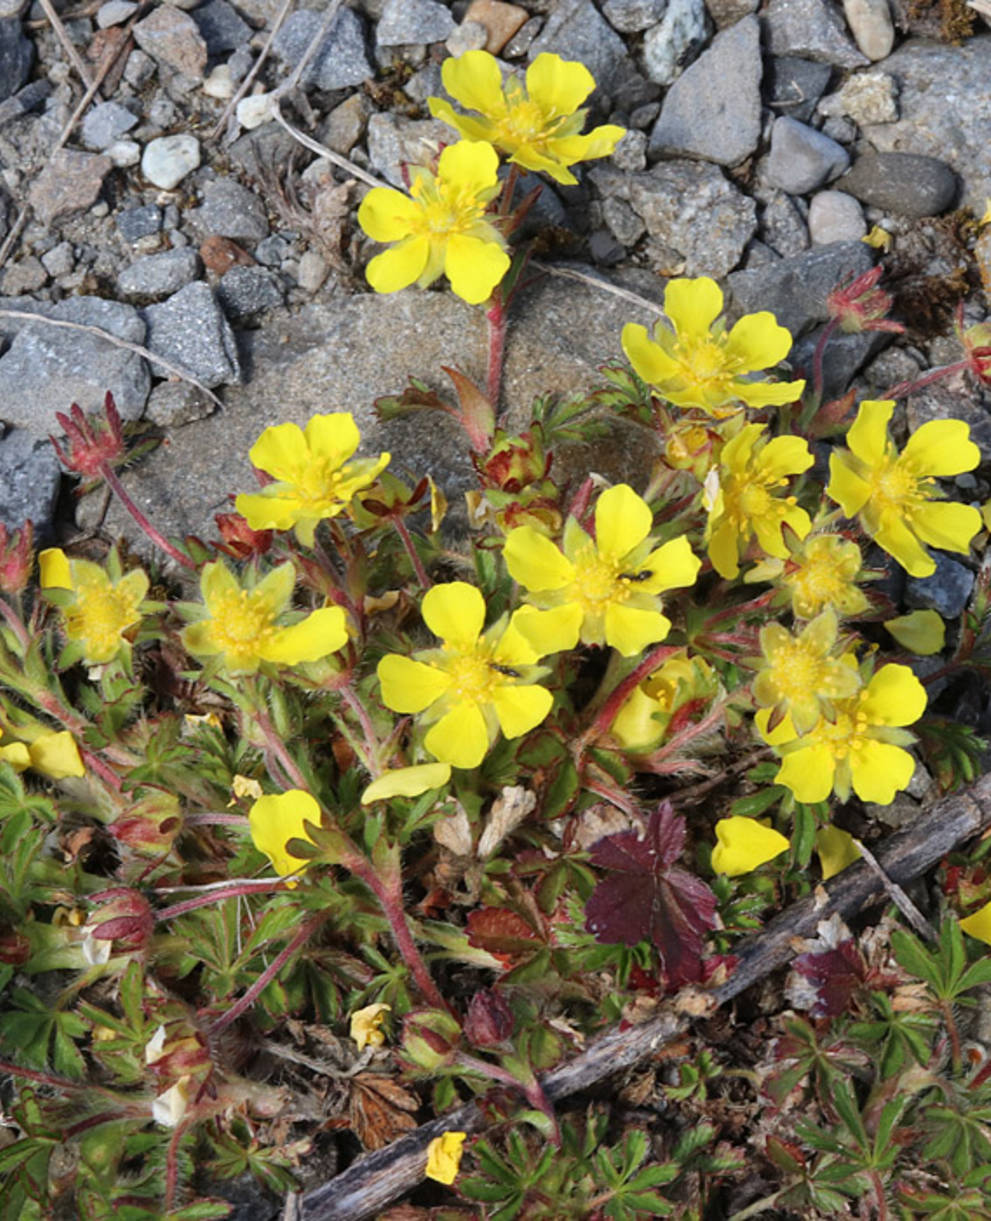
[371, 756]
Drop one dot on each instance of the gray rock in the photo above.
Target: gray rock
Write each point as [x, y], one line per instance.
[231, 210]
[425, 83]
[24, 101]
[624, 224]
[313, 271]
[16, 57]
[60, 260]
[104, 123]
[945, 106]
[115, 12]
[645, 115]
[48, 368]
[630, 154]
[795, 289]
[691, 208]
[905, 183]
[947, 591]
[729, 12]
[159, 275]
[810, 28]
[345, 125]
[576, 30]
[12, 8]
[27, 275]
[70, 182]
[871, 26]
[632, 16]
[190, 330]
[413, 21]
[835, 216]
[272, 251]
[246, 291]
[802, 158]
[713, 109]
[604, 249]
[794, 85]
[342, 59]
[29, 482]
[870, 97]
[173, 404]
[167, 160]
[393, 140]
[783, 227]
[171, 37]
[468, 36]
[136, 223]
[675, 40]
[221, 27]
[139, 69]
[521, 42]
[844, 356]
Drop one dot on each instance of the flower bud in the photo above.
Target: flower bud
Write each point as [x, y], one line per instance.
[16, 557]
[490, 1019]
[150, 826]
[92, 441]
[240, 542]
[430, 1038]
[861, 305]
[125, 916]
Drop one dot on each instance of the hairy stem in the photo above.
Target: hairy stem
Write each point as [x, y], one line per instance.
[156, 536]
[403, 531]
[903, 389]
[496, 318]
[228, 890]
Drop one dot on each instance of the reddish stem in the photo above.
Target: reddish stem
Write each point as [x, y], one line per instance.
[15, 624]
[902, 389]
[261, 887]
[403, 531]
[156, 536]
[106, 774]
[496, 318]
[817, 357]
[607, 713]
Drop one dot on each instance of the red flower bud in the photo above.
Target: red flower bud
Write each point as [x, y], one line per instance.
[861, 305]
[16, 557]
[93, 441]
[125, 917]
[490, 1019]
[240, 542]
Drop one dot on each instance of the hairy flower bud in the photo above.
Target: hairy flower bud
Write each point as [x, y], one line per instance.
[430, 1039]
[16, 557]
[861, 305]
[92, 442]
[125, 916]
[490, 1019]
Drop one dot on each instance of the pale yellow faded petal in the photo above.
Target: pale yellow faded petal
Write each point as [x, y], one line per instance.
[54, 568]
[947, 524]
[400, 266]
[408, 685]
[836, 851]
[217, 582]
[534, 561]
[558, 86]
[758, 342]
[520, 708]
[365, 1025]
[942, 447]
[550, 631]
[652, 364]
[475, 80]
[629, 630]
[808, 772]
[454, 611]
[474, 267]
[322, 632]
[846, 487]
[275, 590]
[407, 782]
[277, 818]
[622, 521]
[461, 737]
[868, 435]
[387, 215]
[922, 632]
[56, 755]
[198, 639]
[894, 696]
[470, 164]
[978, 924]
[879, 770]
[693, 305]
[744, 845]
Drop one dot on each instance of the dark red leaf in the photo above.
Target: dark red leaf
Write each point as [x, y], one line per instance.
[645, 896]
[836, 975]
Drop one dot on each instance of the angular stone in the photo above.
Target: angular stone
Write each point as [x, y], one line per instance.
[159, 275]
[802, 158]
[902, 182]
[713, 109]
[222, 29]
[393, 139]
[782, 225]
[342, 58]
[835, 216]
[136, 223]
[576, 30]
[231, 210]
[246, 291]
[29, 482]
[345, 125]
[16, 57]
[413, 21]
[794, 85]
[729, 12]
[27, 275]
[871, 26]
[632, 16]
[105, 123]
[870, 97]
[70, 182]
[173, 404]
[190, 331]
[114, 12]
[172, 37]
[675, 40]
[812, 29]
[947, 591]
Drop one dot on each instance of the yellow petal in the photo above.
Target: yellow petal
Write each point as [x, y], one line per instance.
[769, 394]
[947, 524]
[534, 561]
[693, 305]
[268, 509]
[387, 215]
[652, 364]
[550, 631]
[470, 164]
[942, 447]
[365, 1025]
[408, 685]
[217, 582]
[785, 456]
[465, 125]
[674, 565]
[53, 564]
[757, 342]
[868, 435]
[809, 772]
[322, 632]
[455, 612]
[281, 451]
[278, 818]
[275, 591]
[636, 726]
[724, 550]
[474, 267]
[56, 755]
[836, 851]
[444, 1152]
[520, 708]
[512, 647]
[922, 632]
[745, 844]
[846, 487]
[407, 782]
[17, 755]
[400, 266]
[474, 80]
[460, 738]
[897, 539]
[978, 924]
[894, 696]
[879, 770]
[558, 86]
[333, 437]
[783, 732]
[629, 631]
[622, 521]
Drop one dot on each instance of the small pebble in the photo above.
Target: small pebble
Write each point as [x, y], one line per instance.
[870, 24]
[255, 110]
[167, 160]
[501, 21]
[468, 36]
[219, 84]
[312, 271]
[114, 12]
[60, 260]
[802, 158]
[835, 216]
[124, 153]
[870, 97]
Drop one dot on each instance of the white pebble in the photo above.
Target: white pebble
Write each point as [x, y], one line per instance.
[167, 160]
[124, 153]
[219, 83]
[254, 111]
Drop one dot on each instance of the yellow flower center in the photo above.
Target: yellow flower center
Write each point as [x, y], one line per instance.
[472, 677]
[317, 484]
[241, 622]
[525, 123]
[445, 208]
[797, 670]
[749, 495]
[596, 582]
[894, 487]
[101, 613]
[820, 581]
[844, 736]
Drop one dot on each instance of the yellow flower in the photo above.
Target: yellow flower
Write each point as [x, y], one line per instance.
[366, 1025]
[740, 496]
[879, 238]
[314, 478]
[978, 924]
[537, 127]
[819, 573]
[474, 685]
[643, 719]
[101, 610]
[277, 818]
[922, 632]
[440, 227]
[407, 782]
[444, 1155]
[53, 754]
[893, 493]
[744, 845]
[803, 676]
[603, 591]
[700, 363]
[244, 786]
[240, 624]
[836, 851]
[860, 748]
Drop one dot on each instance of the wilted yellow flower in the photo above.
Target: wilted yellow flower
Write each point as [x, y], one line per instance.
[643, 719]
[802, 675]
[537, 127]
[101, 610]
[879, 238]
[240, 624]
[819, 573]
[893, 494]
[922, 632]
[366, 1025]
[741, 497]
[440, 227]
[276, 819]
[407, 782]
[314, 479]
[444, 1157]
[744, 845]
[700, 363]
[52, 753]
[601, 591]
[474, 685]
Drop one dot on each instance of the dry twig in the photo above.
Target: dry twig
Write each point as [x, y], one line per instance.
[73, 55]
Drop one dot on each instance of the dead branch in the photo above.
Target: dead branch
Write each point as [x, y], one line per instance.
[378, 1178]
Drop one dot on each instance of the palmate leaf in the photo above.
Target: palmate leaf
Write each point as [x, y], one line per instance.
[646, 897]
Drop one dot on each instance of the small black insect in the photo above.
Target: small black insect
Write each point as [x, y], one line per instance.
[645, 575]
[507, 670]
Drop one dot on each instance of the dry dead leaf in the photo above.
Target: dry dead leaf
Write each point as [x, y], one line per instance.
[694, 1002]
[380, 1110]
[508, 811]
[601, 820]
[454, 833]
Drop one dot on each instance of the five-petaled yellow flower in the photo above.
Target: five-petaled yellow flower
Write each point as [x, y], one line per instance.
[820, 573]
[474, 685]
[101, 610]
[803, 675]
[893, 493]
[861, 747]
[537, 127]
[601, 591]
[276, 819]
[240, 625]
[740, 495]
[444, 1157]
[440, 227]
[744, 844]
[314, 478]
[700, 363]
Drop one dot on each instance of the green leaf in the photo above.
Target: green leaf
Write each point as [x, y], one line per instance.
[913, 957]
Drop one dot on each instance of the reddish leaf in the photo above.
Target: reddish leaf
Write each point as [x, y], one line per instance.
[835, 975]
[501, 931]
[645, 896]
